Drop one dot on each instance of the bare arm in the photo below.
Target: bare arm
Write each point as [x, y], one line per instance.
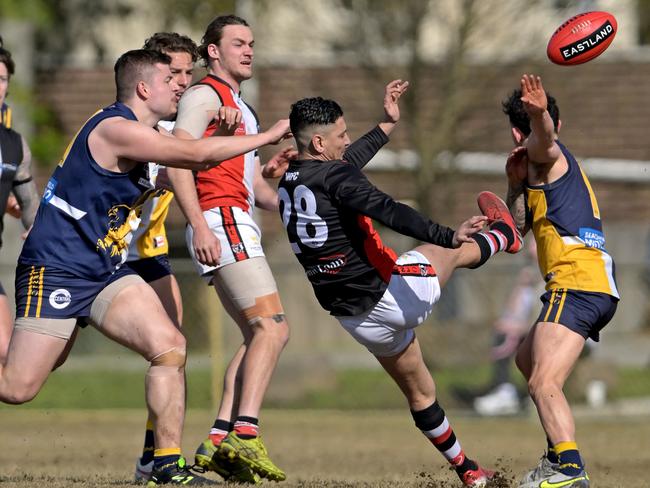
[361, 151]
[265, 196]
[207, 247]
[517, 206]
[540, 143]
[517, 173]
[24, 188]
[116, 138]
[394, 90]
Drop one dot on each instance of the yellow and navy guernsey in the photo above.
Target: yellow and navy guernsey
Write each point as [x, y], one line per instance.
[84, 222]
[5, 116]
[150, 238]
[565, 220]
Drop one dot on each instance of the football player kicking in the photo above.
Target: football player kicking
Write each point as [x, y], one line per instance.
[378, 297]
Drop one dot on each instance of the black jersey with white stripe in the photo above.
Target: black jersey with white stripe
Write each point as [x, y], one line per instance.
[327, 207]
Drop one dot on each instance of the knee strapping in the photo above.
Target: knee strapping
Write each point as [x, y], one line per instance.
[168, 362]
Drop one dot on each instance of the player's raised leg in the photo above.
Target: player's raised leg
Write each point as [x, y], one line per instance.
[498, 214]
[500, 235]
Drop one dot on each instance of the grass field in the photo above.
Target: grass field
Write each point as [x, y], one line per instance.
[318, 448]
[84, 386]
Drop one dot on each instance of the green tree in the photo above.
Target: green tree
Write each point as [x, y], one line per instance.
[393, 38]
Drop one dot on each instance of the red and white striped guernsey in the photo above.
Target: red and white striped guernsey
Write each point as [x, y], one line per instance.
[231, 183]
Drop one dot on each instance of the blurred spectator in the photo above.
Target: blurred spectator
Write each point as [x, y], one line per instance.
[509, 330]
[501, 396]
[645, 277]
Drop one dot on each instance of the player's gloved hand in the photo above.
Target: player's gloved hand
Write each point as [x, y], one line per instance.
[467, 229]
[278, 164]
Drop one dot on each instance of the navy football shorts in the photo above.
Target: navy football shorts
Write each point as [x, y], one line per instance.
[47, 292]
[583, 312]
[151, 269]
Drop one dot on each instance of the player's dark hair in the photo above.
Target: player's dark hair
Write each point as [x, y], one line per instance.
[214, 33]
[310, 112]
[5, 57]
[171, 42]
[513, 107]
[134, 66]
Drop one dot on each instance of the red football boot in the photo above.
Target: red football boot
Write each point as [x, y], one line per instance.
[495, 209]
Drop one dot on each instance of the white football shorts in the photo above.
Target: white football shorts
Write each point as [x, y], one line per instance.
[239, 235]
[387, 328]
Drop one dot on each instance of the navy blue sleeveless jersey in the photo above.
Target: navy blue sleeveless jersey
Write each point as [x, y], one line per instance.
[84, 222]
[565, 220]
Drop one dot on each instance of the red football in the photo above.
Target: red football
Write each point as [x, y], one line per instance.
[581, 38]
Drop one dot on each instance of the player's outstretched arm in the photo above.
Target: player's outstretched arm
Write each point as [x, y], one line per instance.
[361, 151]
[133, 140]
[348, 186]
[540, 143]
[392, 93]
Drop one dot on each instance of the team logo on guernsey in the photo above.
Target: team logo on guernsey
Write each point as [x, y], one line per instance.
[159, 241]
[60, 298]
[592, 238]
[333, 265]
[122, 219]
[49, 190]
[237, 248]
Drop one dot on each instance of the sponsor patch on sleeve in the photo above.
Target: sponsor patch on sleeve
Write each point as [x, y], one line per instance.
[592, 238]
[49, 190]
